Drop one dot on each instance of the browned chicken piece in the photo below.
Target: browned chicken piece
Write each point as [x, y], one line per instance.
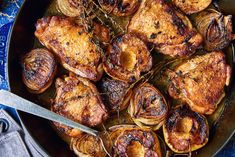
[78, 99]
[73, 44]
[39, 68]
[126, 58]
[120, 8]
[170, 31]
[200, 81]
[192, 6]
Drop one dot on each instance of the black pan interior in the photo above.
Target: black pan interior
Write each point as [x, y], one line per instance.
[22, 41]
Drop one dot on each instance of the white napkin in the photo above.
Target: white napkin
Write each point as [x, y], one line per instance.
[15, 142]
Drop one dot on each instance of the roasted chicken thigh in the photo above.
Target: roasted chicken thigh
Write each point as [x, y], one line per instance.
[170, 31]
[78, 99]
[200, 81]
[73, 44]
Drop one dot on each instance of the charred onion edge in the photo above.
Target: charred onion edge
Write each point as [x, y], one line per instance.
[49, 78]
[115, 75]
[166, 133]
[123, 101]
[225, 30]
[82, 141]
[118, 130]
[133, 107]
[118, 8]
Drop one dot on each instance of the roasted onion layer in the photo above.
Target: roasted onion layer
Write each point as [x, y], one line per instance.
[73, 8]
[215, 28]
[120, 7]
[126, 58]
[39, 68]
[115, 94]
[185, 130]
[87, 146]
[132, 141]
[148, 107]
[192, 6]
[78, 99]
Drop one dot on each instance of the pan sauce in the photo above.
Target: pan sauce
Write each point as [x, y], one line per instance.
[159, 81]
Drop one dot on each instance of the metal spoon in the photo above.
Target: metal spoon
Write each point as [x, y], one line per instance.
[11, 100]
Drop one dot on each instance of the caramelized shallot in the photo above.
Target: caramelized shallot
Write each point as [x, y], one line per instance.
[39, 68]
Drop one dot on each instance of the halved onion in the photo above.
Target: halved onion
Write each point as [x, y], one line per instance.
[115, 94]
[148, 107]
[126, 58]
[87, 146]
[120, 8]
[215, 28]
[185, 130]
[132, 141]
[39, 68]
[73, 8]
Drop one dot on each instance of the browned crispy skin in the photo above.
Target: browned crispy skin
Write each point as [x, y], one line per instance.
[120, 7]
[201, 81]
[115, 94]
[185, 130]
[126, 57]
[39, 68]
[73, 45]
[192, 6]
[78, 99]
[170, 31]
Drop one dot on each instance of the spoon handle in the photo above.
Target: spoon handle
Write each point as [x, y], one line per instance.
[11, 100]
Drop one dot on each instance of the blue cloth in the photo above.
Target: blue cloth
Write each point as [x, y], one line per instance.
[8, 11]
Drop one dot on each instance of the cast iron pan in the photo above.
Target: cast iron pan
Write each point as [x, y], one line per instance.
[22, 40]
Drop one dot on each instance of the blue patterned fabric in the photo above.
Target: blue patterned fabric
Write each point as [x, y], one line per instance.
[8, 11]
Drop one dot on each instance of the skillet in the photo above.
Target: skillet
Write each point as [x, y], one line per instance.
[22, 41]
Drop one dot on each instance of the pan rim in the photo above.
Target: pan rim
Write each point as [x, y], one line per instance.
[19, 113]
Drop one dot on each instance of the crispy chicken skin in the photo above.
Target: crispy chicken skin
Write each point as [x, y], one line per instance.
[78, 99]
[201, 81]
[170, 31]
[73, 45]
[192, 6]
[148, 107]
